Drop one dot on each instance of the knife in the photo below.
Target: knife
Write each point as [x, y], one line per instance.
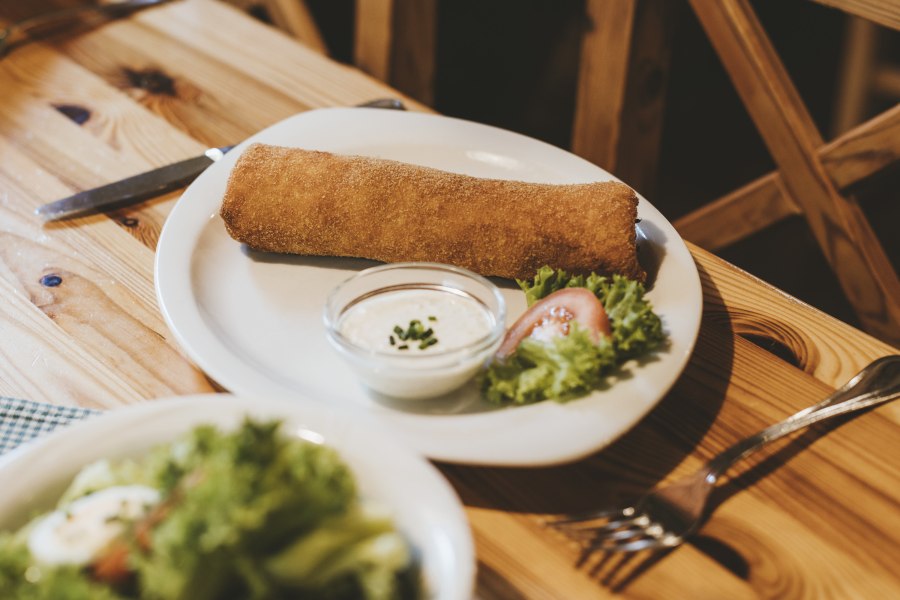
[152, 183]
[132, 189]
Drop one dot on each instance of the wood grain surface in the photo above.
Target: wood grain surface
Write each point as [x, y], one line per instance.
[814, 517]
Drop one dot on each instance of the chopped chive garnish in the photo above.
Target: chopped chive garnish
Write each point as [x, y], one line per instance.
[415, 332]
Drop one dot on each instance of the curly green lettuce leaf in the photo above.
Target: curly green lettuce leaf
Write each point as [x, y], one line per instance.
[636, 329]
[549, 280]
[22, 579]
[359, 549]
[571, 366]
[236, 499]
[562, 368]
[245, 514]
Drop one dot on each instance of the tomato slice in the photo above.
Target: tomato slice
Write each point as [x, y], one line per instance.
[552, 316]
[112, 566]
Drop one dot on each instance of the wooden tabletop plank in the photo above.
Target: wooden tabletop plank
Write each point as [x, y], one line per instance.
[95, 237]
[93, 283]
[43, 349]
[830, 349]
[192, 87]
[43, 77]
[134, 138]
[106, 298]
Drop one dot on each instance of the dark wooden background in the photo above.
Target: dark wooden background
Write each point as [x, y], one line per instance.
[513, 63]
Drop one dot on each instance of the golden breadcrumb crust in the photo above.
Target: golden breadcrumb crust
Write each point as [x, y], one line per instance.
[317, 203]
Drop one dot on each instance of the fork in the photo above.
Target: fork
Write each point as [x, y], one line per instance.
[18, 31]
[667, 515]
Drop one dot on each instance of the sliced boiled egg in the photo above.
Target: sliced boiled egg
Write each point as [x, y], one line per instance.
[79, 532]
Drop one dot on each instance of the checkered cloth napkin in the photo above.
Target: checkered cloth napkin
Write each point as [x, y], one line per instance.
[22, 420]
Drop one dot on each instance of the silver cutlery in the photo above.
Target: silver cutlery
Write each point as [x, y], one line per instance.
[20, 31]
[155, 182]
[667, 515]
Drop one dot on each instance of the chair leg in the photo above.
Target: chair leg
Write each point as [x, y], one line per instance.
[396, 41]
[621, 91]
[373, 34]
[294, 17]
[856, 75]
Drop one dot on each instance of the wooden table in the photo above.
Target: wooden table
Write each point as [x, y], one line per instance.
[815, 517]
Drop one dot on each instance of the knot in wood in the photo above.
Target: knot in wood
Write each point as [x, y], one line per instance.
[151, 80]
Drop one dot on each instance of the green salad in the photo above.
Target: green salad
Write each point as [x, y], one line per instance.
[247, 514]
[576, 359]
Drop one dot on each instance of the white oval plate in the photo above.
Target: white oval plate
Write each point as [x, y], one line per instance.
[253, 321]
[425, 507]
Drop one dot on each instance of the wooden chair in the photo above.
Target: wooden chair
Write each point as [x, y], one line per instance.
[813, 177]
[621, 87]
[867, 72]
[618, 123]
[292, 16]
[395, 41]
[621, 78]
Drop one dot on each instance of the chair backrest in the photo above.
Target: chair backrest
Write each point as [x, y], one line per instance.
[395, 41]
[291, 16]
[618, 124]
[621, 87]
[812, 176]
[621, 76]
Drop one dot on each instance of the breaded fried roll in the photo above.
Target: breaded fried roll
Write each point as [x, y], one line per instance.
[317, 203]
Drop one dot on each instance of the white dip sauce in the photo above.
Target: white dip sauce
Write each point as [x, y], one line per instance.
[463, 336]
[457, 321]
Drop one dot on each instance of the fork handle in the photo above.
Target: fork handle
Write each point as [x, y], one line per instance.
[876, 384]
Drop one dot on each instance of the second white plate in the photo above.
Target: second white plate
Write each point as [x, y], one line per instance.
[422, 504]
[253, 321]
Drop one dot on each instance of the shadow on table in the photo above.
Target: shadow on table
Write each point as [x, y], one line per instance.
[619, 577]
[492, 585]
[634, 463]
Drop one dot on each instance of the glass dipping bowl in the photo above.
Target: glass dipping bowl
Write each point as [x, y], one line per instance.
[415, 374]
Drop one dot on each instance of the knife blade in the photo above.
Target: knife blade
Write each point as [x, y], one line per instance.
[132, 189]
[155, 182]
